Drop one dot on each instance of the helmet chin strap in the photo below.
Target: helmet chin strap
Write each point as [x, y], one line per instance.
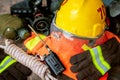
[92, 42]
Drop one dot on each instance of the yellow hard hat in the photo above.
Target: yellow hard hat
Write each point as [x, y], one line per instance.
[83, 18]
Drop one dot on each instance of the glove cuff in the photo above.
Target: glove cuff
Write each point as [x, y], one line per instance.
[6, 62]
[98, 60]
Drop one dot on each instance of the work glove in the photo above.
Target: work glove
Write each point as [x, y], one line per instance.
[114, 73]
[95, 62]
[10, 69]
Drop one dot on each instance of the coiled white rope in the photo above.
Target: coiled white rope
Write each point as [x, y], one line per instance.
[30, 61]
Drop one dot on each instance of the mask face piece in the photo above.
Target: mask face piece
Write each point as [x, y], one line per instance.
[115, 8]
[107, 2]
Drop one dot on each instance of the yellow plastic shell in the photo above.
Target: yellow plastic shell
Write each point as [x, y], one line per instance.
[84, 18]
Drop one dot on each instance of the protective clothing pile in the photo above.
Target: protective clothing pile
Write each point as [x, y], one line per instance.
[74, 30]
[80, 39]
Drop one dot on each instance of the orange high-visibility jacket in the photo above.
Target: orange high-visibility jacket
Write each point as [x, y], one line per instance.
[64, 47]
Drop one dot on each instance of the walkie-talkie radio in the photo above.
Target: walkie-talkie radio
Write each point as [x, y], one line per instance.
[51, 59]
